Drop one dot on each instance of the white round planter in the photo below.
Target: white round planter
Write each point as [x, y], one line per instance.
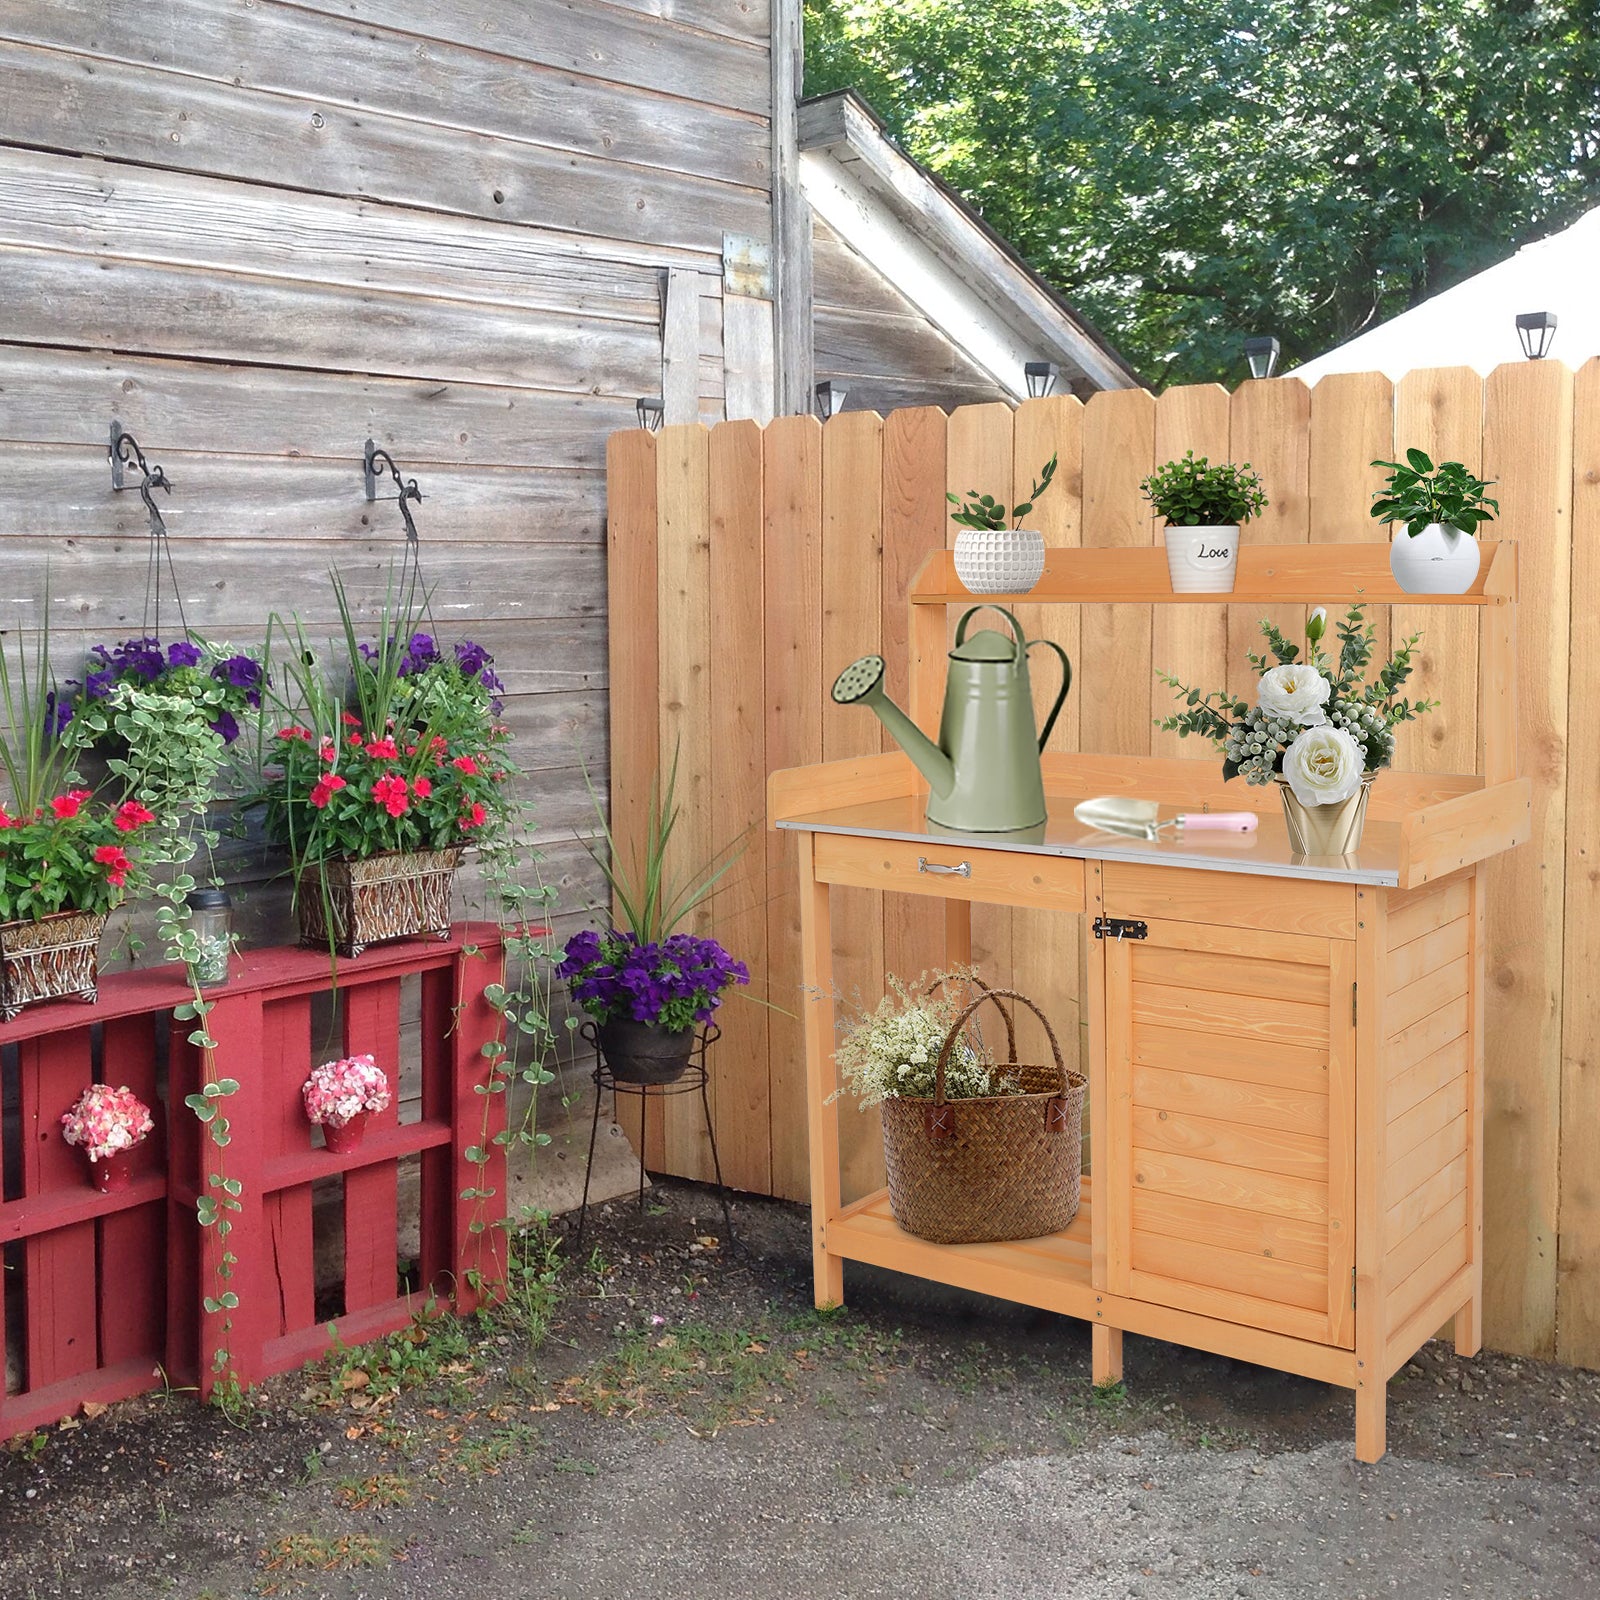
[1202, 560]
[999, 560]
[1440, 560]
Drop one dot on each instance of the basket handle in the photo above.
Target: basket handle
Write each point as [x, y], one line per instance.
[955, 1032]
[975, 982]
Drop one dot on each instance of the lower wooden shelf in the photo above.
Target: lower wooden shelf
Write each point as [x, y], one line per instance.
[1053, 1272]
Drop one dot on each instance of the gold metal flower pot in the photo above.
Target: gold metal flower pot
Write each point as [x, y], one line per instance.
[1325, 830]
[355, 903]
[56, 957]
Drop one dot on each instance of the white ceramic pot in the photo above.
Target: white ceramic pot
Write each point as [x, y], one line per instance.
[1440, 560]
[999, 560]
[1202, 560]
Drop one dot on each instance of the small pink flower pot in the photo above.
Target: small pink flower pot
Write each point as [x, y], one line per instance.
[345, 1138]
[112, 1174]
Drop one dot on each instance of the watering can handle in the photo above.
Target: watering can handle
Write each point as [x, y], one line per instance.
[1066, 683]
[1016, 627]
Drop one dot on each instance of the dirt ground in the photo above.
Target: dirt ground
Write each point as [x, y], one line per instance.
[682, 1424]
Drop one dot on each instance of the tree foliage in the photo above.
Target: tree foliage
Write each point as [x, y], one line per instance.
[1188, 172]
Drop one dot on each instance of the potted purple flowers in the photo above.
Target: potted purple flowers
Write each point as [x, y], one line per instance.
[647, 997]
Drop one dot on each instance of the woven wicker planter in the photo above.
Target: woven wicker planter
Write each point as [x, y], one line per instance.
[397, 895]
[53, 958]
[1001, 1167]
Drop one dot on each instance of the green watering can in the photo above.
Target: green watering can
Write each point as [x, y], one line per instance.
[984, 771]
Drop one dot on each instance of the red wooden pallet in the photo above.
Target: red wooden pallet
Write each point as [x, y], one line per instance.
[113, 1285]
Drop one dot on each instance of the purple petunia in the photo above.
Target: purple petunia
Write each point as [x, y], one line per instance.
[183, 654]
[227, 725]
[675, 982]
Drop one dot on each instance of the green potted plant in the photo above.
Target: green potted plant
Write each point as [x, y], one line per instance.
[381, 776]
[992, 558]
[1319, 728]
[65, 858]
[1440, 509]
[647, 986]
[1205, 506]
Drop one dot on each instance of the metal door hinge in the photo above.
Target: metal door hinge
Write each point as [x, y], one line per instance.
[1353, 988]
[1352, 1288]
[1120, 928]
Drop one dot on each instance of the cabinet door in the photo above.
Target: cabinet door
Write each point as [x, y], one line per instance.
[1228, 1159]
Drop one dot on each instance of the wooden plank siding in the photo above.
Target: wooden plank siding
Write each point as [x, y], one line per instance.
[1534, 429]
[256, 258]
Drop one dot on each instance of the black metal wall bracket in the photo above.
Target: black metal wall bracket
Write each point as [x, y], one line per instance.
[378, 460]
[125, 452]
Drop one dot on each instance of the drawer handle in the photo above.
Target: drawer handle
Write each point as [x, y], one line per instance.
[962, 869]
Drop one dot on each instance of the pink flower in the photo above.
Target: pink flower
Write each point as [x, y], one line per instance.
[325, 788]
[466, 764]
[390, 793]
[328, 750]
[337, 1091]
[296, 732]
[422, 787]
[383, 750]
[473, 816]
[105, 1121]
[69, 804]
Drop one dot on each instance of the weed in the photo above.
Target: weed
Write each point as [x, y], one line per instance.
[712, 1377]
[528, 1533]
[483, 1458]
[30, 1446]
[364, 1379]
[589, 1469]
[532, 1267]
[313, 1552]
[1110, 1396]
[382, 1491]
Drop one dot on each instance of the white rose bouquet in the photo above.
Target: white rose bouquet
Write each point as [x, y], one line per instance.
[1318, 722]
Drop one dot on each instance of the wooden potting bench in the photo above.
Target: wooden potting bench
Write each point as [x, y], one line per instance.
[1285, 1052]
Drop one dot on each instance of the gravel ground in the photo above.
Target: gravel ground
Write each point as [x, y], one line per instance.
[922, 1441]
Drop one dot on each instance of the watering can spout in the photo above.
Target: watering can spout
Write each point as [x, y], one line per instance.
[861, 683]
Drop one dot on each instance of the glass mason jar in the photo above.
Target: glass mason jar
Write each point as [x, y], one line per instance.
[211, 920]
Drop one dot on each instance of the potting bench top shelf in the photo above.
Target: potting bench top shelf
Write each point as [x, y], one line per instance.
[1315, 574]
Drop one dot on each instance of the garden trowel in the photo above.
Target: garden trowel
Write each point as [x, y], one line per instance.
[1141, 819]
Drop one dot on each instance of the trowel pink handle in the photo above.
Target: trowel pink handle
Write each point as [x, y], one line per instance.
[1218, 821]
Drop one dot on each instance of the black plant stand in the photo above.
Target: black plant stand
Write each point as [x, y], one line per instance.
[694, 1080]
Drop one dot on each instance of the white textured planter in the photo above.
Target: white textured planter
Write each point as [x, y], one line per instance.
[999, 560]
[1202, 560]
[1440, 560]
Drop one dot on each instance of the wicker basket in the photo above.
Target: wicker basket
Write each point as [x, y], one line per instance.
[53, 958]
[1000, 1167]
[399, 894]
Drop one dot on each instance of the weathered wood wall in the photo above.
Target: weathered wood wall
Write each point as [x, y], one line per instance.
[877, 343]
[845, 513]
[258, 232]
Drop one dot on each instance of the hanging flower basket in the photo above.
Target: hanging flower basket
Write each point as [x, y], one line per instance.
[399, 894]
[51, 958]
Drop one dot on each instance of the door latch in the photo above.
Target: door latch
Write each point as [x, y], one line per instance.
[1120, 928]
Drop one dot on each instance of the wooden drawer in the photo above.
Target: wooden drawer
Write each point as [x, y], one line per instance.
[993, 877]
[1234, 899]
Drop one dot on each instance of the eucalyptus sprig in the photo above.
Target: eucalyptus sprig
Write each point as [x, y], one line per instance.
[985, 512]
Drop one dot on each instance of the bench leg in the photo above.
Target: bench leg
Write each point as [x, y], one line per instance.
[1371, 1406]
[1105, 1354]
[1469, 1327]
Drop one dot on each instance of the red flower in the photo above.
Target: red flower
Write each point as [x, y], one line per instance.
[390, 793]
[467, 765]
[115, 860]
[473, 816]
[296, 732]
[355, 741]
[69, 804]
[383, 750]
[325, 788]
[411, 749]
[131, 815]
[349, 720]
[422, 788]
[7, 820]
[328, 750]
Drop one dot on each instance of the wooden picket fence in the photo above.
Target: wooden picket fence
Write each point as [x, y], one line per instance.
[748, 565]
